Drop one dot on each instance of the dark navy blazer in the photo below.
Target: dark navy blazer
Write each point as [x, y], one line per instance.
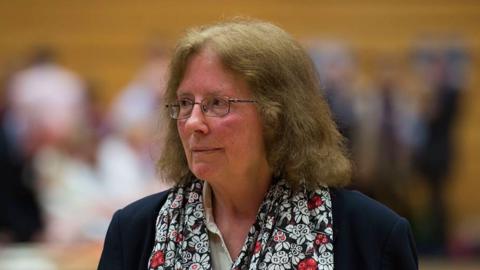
[367, 235]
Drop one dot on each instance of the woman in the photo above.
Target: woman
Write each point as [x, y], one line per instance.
[257, 167]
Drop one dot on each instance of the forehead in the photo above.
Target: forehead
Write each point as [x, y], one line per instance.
[205, 74]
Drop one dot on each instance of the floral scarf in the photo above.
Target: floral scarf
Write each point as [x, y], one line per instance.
[293, 230]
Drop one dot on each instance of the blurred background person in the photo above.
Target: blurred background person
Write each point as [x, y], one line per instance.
[48, 116]
[336, 67]
[443, 68]
[47, 101]
[126, 157]
[21, 217]
[390, 132]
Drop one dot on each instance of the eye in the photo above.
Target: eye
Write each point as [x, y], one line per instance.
[185, 102]
[217, 102]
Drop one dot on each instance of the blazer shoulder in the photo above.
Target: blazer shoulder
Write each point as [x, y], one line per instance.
[145, 206]
[370, 235]
[356, 205]
[130, 235]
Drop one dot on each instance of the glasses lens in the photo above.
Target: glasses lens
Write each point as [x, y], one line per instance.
[215, 106]
[181, 109]
[173, 110]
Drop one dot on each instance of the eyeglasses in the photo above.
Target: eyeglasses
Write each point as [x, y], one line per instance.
[213, 106]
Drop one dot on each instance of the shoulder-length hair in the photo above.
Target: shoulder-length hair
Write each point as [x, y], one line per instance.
[302, 140]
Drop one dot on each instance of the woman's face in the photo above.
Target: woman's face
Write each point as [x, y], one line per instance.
[220, 148]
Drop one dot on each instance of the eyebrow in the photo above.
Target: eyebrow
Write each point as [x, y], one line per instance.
[187, 93]
[184, 95]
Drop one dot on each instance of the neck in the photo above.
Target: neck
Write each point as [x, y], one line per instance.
[239, 198]
[235, 202]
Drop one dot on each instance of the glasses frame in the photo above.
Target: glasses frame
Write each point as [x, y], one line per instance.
[204, 107]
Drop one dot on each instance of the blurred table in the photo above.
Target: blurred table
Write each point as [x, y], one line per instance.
[50, 257]
[85, 257]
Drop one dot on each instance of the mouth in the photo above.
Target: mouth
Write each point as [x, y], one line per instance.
[205, 150]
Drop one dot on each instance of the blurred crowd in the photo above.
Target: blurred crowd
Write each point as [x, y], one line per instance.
[399, 122]
[67, 162]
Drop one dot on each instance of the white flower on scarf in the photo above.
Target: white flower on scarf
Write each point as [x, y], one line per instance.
[302, 214]
[162, 236]
[200, 243]
[170, 254]
[192, 197]
[300, 232]
[198, 213]
[278, 261]
[191, 220]
[325, 262]
[186, 256]
[200, 262]
[295, 252]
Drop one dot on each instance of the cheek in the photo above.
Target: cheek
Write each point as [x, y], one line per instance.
[226, 132]
[181, 130]
[182, 134]
[243, 137]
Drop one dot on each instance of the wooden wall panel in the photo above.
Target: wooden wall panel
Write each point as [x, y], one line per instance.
[104, 41]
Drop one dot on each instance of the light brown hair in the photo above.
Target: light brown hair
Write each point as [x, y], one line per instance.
[302, 141]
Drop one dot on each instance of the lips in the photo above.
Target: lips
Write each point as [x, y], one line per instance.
[205, 149]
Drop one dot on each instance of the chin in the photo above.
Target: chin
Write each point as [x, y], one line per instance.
[203, 172]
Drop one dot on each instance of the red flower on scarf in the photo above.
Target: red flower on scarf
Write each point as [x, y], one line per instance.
[314, 202]
[179, 238]
[157, 259]
[258, 247]
[176, 236]
[279, 237]
[321, 239]
[307, 264]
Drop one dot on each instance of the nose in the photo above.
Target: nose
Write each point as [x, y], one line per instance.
[197, 121]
